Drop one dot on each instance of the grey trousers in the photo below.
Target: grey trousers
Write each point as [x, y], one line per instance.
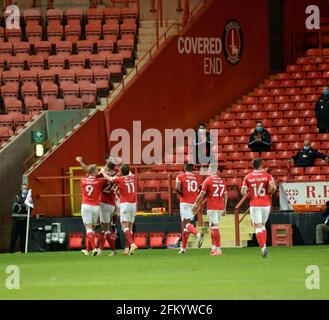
[322, 233]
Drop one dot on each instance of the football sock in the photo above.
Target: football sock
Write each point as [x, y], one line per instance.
[260, 237]
[216, 236]
[264, 235]
[212, 238]
[90, 240]
[102, 240]
[191, 229]
[185, 236]
[129, 238]
[110, 240]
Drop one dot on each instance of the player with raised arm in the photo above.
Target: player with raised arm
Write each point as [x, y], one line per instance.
[126, 188]
[260, 185]
[91, 187]
[214, 190]
[187, 186]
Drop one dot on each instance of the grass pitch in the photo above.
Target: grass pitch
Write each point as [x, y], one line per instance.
[163, 274]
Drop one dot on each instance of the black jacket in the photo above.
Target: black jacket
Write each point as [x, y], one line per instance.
[263, 145]
[322, 112]
[306, 158]
[207, 144]
[19, 209]
[325, 214]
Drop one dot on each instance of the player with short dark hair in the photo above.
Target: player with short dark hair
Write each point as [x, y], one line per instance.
[214, 189]
[187, 186]
[126, 188]
[260, 185]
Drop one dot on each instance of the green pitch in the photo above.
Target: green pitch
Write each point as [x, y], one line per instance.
[163, 274]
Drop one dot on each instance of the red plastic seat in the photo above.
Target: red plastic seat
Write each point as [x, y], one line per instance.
[29, 90]
[128, 30]
[292, 91]
[115, 63]
[70, 90]
[85, 48]
[247, 124]
[77, 62]
[300, 129]
[312, 170]
[279, 122]
[12, 104]
[105, 46]
[293, 68]
[172, 239]
[234, 156]
[290, 114]
[282, 76]
[63, 48]
[297, 171]
[126, 47]
[286, 107]
[141, 239]
[11, 77]
[312, 98]
[34, 33]
[281, 99]
[33, 104]
[84, 76]
[112, 14]
[72, 32]
[287, 83]
[318, 82]
[325, 170]
[9, 91]
[32, 16]
[55, 32]
[22, 50]
[309, 67]
[303, 83]
[310, 121]
[56, 63]
[111, 31]
[2, 34]
[297, 98]
[248, 156]
[296, 122]
[313, 75]
[290, 138]
[42, 48]
[75, 239]
[230, 147]
[49, 91]
[281, 146]
[56, 104]
[156, 239]
[29, 76]
[258, 115]
[93, 31]
[306, 113]
[66, 76]
[102, 79]
[129, 14]
[255, 107]
[295, 146]
[249, 100]
[237, 108]
[313, 52]
[302, 106]
[268, 155]
[15, 63]
[303, 60]
[284, 155]
[322, 137]
[95, 15]
[6, 49]
[275, 115]
[270, 107]
[13, 35]
[236, 132]
[97, 61]
[231, 124]
[55, 16]
[74, 16]
[72, 102]
[47, 76]
[88, 94]
[36, 63]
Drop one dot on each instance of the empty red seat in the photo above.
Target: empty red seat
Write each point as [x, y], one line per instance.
[141, 239]
[35, 63]
[312, 98]
[297, 98]
[47, 76]
[296, 122]
[281, 99]
[268, 155]
[72, 102]
[126, 47]
[313, 75]
[29, 90]
[300, 129]
[290, 138]
[282, 76]
[295, 146]
[85, 48]
[128, 30]
[54, 16]
[2, 34]
[77, 62]
[284, 155]
[93, 31]
[231, 124]
[84, 76]
[14, 35]
[322, 137]
[34, 33]
[234, 156]
[172, 239]
[302, 60]
[306, 113]
[129, 14]
[70, 90]
[29, 76]
[95, 15]
[66, 76]
[239, 108]
[32, 16]
[112, 14]
[9, 91]
[12, 105]
[271, 84]
[72, 32]
[255, 107]
[104, 46]
[33, 104]
[292, 91]
[290, 114]
[248, 156]
[312, 170]
[56, 63]
[75, 239]
[281, 146]
[63, 48]
[325, 170]
[56, 104]
[309, 67]
[297, 171]
[318, 82]
[49, 91]
[88, 94]
[302, 83]
[310, 121]
[302, 106]
[74, 16]
[11, 77]
[249, 100]
[156, 239]
[102, 80]
[55, 32]
[237, 132]
[287, 83]
[325, 145]
[111, 31]
[115, 63]
[97, 61]
[279, 122]
[42, 48]
[313, 52]
[247, 124]
[6, 49]
[15, 63]
[22, 50]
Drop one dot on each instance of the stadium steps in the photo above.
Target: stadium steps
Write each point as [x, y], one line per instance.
[227, 231]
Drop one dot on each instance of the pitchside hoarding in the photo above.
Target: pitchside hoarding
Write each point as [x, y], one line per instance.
[303, 193]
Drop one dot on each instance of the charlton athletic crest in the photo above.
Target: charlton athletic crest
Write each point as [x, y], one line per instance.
[233, 42]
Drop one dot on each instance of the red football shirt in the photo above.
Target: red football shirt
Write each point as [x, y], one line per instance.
[190, 183]
[214, 188]
[126, 188]
[91, 189]
[257, 182]
[108, 194]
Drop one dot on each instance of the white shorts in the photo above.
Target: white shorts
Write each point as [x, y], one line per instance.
[106, 212]
[214, 216]
[90, 214]
[186, 211]
[259, 214]
[127, 212]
